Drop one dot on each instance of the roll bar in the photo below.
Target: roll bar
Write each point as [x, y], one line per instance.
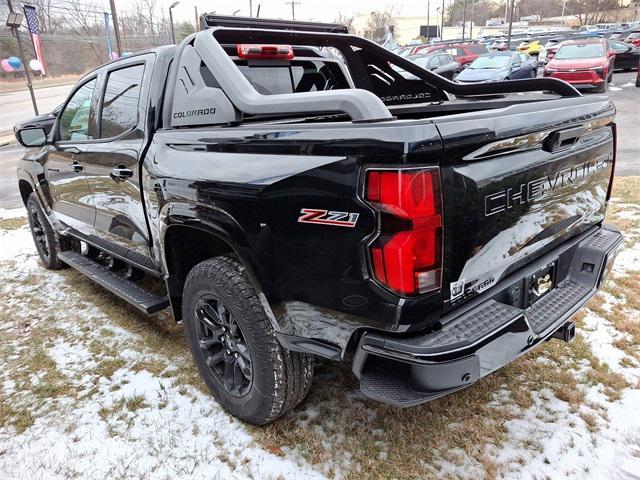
[360, 103]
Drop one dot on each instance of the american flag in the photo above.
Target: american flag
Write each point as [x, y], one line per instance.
[34, 29]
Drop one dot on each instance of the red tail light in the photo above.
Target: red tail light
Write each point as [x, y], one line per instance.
[256, 51]
[407, 254]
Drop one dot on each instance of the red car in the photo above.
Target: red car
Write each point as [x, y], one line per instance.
[463, 53]
[634, 38]
[583, 63]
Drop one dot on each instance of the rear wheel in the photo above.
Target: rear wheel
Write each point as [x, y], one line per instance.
[48, 243]
[234, 345]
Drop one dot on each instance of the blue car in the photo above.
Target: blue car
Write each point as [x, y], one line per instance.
[497, 66]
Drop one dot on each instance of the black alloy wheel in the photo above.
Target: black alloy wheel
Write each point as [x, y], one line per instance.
[223, 346]
[39, 234]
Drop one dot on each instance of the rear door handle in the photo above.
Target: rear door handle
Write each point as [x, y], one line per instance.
[121, 173]
[76, 167]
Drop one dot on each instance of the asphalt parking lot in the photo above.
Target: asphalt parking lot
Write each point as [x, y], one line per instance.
[622, 92]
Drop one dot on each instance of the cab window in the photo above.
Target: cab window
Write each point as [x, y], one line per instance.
[75, 119]
[119, 112]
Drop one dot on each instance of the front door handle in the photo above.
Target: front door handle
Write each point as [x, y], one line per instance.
[121, 173]
[76, 167]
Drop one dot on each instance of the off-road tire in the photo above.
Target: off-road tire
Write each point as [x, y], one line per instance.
[280, 379]
[48, 243]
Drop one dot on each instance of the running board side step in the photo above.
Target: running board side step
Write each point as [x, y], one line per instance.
[137, 296]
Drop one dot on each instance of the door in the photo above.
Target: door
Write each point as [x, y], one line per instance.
[111, 162]
[626, 55]
[69, 191]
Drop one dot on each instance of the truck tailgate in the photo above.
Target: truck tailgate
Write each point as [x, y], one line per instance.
[518, 181]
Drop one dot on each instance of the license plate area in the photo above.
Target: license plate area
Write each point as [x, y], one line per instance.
[540, 283]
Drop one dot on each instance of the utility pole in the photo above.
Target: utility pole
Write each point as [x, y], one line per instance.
[293, 4]
[251, 8]
[195, 8]
[428, 8]
[510, 24]
[15, 28]
[116, 28]
[442, 22]
[464, 19]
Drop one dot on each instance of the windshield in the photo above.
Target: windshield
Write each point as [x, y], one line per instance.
[500, 61]
[587, 50]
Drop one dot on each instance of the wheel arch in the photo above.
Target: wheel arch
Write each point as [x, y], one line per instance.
[184, 246]
[26, 189]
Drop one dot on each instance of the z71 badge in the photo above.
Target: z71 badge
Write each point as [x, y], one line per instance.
[325, 217]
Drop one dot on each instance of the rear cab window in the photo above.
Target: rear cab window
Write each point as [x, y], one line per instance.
[308, 71]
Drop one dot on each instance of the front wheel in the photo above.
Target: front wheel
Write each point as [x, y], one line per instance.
[48, 243]
[234, 345]
[602, 88]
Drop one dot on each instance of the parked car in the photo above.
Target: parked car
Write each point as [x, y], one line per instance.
[530, 46]
[463, 53]
[497, 66]
[284, 210]
[583, 63]
[438, 62]
[634, 38]
[638, 76]
[620, 34]
[627, 54]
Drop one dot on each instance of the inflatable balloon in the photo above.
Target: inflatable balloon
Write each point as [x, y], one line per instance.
[35, 65]
[15, 62]
[5, 65]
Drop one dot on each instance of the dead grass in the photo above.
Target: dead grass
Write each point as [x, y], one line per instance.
[12, 223]
[335, 425]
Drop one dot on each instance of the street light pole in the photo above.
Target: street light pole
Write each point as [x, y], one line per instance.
[14, 23]
[173, 32]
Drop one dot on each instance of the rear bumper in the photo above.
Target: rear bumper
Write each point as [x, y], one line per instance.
[488, 334]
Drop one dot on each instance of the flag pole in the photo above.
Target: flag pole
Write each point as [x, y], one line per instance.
[16, 32]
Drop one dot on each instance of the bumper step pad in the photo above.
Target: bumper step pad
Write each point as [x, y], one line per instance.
[410, 371]
[140, 298]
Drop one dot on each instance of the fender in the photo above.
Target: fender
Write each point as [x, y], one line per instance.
[220, 224]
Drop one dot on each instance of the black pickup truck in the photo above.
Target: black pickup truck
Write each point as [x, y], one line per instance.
[295, 196]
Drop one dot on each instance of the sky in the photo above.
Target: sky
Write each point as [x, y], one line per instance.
[325, 10]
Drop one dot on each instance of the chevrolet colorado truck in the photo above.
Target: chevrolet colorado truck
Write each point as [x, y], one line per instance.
[296, 197]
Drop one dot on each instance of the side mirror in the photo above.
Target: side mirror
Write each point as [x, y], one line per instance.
[32, 137]
[611, 53]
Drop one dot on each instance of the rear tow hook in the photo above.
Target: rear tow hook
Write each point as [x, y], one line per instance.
[566, 332]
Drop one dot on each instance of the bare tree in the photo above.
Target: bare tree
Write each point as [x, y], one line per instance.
[379, 21]
[82, 18]
[589, 12]
[345, 20]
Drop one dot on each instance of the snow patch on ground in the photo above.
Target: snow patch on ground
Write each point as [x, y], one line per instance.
[137, 424]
